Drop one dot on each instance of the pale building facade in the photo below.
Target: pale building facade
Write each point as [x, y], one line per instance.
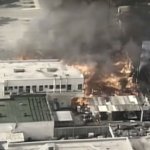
[39, 76]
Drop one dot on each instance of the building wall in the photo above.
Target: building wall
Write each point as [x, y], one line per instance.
[32, 130]
[37, 130]
[120, 143]
[2, 89]
[82, 131]
[49, 85]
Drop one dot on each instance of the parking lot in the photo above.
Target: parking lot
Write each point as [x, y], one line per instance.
[15, 17]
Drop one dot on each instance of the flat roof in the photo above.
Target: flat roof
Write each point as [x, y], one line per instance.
[37, 69]
[115, 103]
[12, 137]
[76, 144]
[64, 116]
[24, 109]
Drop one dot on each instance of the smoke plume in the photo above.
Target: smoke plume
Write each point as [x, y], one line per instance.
[78, 32]
[75, 30]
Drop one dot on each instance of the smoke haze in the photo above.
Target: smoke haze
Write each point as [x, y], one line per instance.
[79, 32]
[141, 144]
[73, 30]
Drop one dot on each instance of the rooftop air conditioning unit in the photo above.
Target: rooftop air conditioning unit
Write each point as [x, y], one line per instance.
[52, 69]
[55, 75]
[48, 147]
[18, 70]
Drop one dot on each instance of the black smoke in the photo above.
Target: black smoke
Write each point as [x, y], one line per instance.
[79, 31]
[74, 30]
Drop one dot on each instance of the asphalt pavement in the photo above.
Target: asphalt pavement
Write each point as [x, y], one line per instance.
[14, 21]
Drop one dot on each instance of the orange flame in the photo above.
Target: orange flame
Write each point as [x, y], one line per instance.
[85, 69]
[118, 82]
[79, 101]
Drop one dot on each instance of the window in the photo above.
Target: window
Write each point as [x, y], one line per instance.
[57, 86]
[34, 88]
[7, 93]
[79, 86]
[41, 88]
[28, 89]
[20, 89]
[15, 87]
[10, 88]
[63, 86]
[51, 87]
[46, 86]
[5, 88]
[69, 87]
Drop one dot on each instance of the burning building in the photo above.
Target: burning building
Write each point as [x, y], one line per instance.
[85, 40]
[90, 44]
[39, 76]
[117, 82]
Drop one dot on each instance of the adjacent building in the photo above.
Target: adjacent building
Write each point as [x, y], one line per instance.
[38, 76]
[28, 115]
[117, 108]
[80, 144]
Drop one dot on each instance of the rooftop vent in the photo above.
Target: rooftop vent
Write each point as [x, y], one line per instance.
[52, 69]
[2, 104]
[39, 70]
[55, 75]
[26, 115]
[22, 104]
[18, 70]
[1, 115]
[50, 148]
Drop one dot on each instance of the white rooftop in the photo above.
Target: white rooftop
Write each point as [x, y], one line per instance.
[64, 116]
[11, 137]
[86, 144]
[36, 69]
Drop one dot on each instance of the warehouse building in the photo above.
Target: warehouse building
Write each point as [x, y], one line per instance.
[38, 76]
[120, 107]
[28, 115]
